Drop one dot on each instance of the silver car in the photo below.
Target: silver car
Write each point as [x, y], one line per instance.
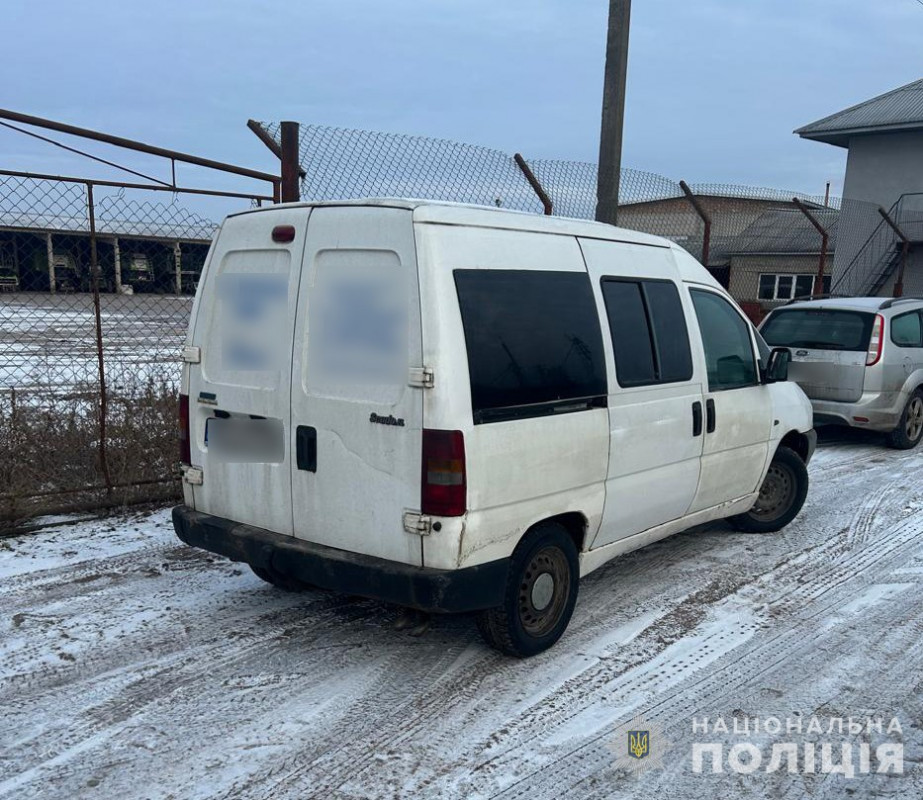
[859, 359]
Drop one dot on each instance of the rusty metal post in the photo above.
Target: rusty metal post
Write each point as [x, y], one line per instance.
[10, 513]
[131, 144]
[103, 399]
[534, 183]
[824, 243]
[273, 146]
[905, 251]
[704, 216]
[290, 166]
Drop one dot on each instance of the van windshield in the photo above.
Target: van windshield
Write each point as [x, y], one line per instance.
[819, 329]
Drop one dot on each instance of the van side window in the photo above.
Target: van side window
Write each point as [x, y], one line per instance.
[906, 330]
[534, 343]
[648, 329]
[726, 338]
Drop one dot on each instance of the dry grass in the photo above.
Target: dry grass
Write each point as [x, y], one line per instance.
[50, 455]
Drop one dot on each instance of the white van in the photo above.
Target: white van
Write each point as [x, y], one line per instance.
[456, 408]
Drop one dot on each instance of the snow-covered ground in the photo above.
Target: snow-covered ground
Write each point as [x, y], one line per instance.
[48, 341]
[134, 667]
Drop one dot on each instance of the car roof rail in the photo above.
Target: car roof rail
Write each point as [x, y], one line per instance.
[892, 301]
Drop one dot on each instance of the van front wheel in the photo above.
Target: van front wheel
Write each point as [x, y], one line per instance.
[781, 497]
[541, 590]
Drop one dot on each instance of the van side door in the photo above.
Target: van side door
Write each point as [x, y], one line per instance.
[738, 408]
[656, 412]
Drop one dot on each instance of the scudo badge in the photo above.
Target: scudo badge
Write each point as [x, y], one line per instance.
[389, 420]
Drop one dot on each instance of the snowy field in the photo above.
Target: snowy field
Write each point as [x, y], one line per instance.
[49, 341]
[134, 667]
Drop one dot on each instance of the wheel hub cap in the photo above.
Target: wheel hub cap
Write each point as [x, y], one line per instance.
[542, 591]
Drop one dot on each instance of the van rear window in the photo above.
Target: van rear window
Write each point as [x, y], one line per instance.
[819, 329]
[534, 343]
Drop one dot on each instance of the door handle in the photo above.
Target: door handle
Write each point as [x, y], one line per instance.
[696, 418]
[709, 415]
[306, 448]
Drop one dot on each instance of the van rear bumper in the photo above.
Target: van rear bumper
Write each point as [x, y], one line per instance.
[439, 590]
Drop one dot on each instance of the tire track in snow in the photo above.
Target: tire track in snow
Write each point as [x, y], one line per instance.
[731, 677]
[164, 674]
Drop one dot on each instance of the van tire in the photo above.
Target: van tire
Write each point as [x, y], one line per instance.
[543, 569]
[279, 580]
[782, 495]
[909, 430]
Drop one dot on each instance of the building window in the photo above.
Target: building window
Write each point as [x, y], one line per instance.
[787, 286]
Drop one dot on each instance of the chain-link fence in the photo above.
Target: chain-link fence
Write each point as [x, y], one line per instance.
[760, 243]
[97, 279]
[96, 286]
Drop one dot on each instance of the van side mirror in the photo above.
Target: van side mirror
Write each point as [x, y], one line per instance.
[777, 366]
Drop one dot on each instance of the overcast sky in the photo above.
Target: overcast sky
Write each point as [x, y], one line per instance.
[715, 86]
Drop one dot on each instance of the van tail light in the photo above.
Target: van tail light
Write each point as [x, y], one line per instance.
[876, 342]
[444, 484]
[185, 456]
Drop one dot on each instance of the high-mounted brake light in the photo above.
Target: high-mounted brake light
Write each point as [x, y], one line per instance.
[283, 233]
[185, 456]
[876, 342]
[444, 491]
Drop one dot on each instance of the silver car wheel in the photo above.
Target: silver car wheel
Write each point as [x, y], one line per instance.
[914, 424]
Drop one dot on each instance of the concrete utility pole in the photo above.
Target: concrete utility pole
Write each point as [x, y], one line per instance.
[613, 116]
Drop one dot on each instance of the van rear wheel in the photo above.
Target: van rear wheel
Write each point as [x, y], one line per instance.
[909, 430]
[781, 496]
[541, 590]
[279, 580]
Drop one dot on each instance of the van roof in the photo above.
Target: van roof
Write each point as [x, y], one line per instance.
[444, 213]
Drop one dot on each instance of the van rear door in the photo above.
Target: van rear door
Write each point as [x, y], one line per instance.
[829, 348]
[356, 422]
[239, 392]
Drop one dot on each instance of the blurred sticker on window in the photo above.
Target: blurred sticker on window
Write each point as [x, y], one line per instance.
[358, 327]
[253, 310]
